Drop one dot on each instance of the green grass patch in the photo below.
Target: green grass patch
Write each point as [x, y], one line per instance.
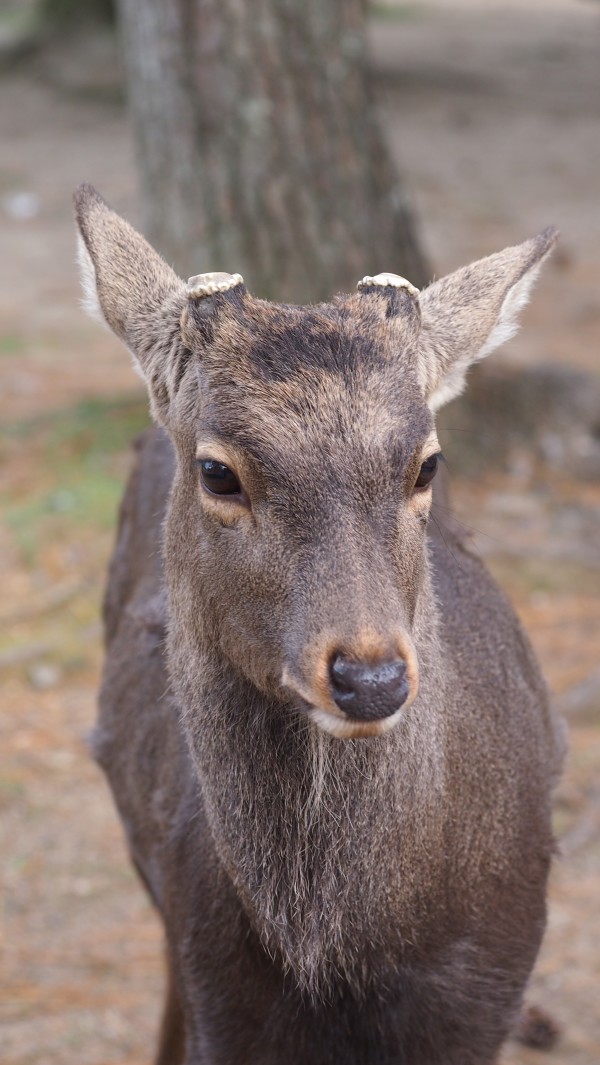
[393, 12]
[88, 429]
[11, 344]
[78, 460]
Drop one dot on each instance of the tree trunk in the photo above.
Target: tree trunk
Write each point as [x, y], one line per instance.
[259, 147]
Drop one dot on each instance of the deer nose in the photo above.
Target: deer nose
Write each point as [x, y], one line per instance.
[368, 691]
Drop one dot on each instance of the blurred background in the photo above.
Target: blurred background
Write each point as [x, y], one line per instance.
[304, 145]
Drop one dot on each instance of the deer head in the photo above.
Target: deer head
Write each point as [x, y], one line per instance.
[306, 447]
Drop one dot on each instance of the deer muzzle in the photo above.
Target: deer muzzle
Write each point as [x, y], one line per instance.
[356, 691]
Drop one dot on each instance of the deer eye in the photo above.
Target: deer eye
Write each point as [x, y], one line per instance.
[218, 478]
[427, 471]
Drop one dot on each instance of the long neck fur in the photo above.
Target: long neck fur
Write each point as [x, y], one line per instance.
[326, 840]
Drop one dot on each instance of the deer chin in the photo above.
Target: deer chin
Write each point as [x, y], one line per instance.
[344, 728]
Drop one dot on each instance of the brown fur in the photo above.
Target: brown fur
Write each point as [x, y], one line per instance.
[367, 901]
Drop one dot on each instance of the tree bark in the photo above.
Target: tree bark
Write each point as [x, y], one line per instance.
[259, 147]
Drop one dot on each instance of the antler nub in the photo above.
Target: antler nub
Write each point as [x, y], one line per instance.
[385, 280]
[208, 284]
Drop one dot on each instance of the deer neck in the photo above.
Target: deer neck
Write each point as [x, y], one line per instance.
[322, 837]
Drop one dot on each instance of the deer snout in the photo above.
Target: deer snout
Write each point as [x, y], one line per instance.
[368, 691]
[356, 688]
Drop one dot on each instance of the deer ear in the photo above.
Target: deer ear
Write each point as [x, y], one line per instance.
[131, 289]
[474, 310]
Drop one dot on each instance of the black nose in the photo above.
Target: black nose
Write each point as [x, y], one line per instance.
[365, 691]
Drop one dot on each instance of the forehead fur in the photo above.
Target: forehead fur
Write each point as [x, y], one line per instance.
[279, 342]
[293, 372]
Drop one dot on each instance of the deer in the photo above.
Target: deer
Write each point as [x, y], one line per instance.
[325, 732]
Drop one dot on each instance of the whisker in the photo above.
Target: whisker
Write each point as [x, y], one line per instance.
[446, 545]
[468, 432]
[471, 528]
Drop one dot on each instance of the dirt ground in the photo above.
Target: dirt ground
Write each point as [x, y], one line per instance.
[492, 112]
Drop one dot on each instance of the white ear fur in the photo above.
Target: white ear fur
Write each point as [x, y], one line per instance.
[508, 323]
[506, 326]
[450, 387]
[470, 313]
[87, 273]
[89, 299]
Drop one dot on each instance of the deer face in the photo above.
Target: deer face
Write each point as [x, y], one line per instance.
[305, 487]
[306, 450]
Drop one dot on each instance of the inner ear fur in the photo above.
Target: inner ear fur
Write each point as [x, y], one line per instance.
[471, 312]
